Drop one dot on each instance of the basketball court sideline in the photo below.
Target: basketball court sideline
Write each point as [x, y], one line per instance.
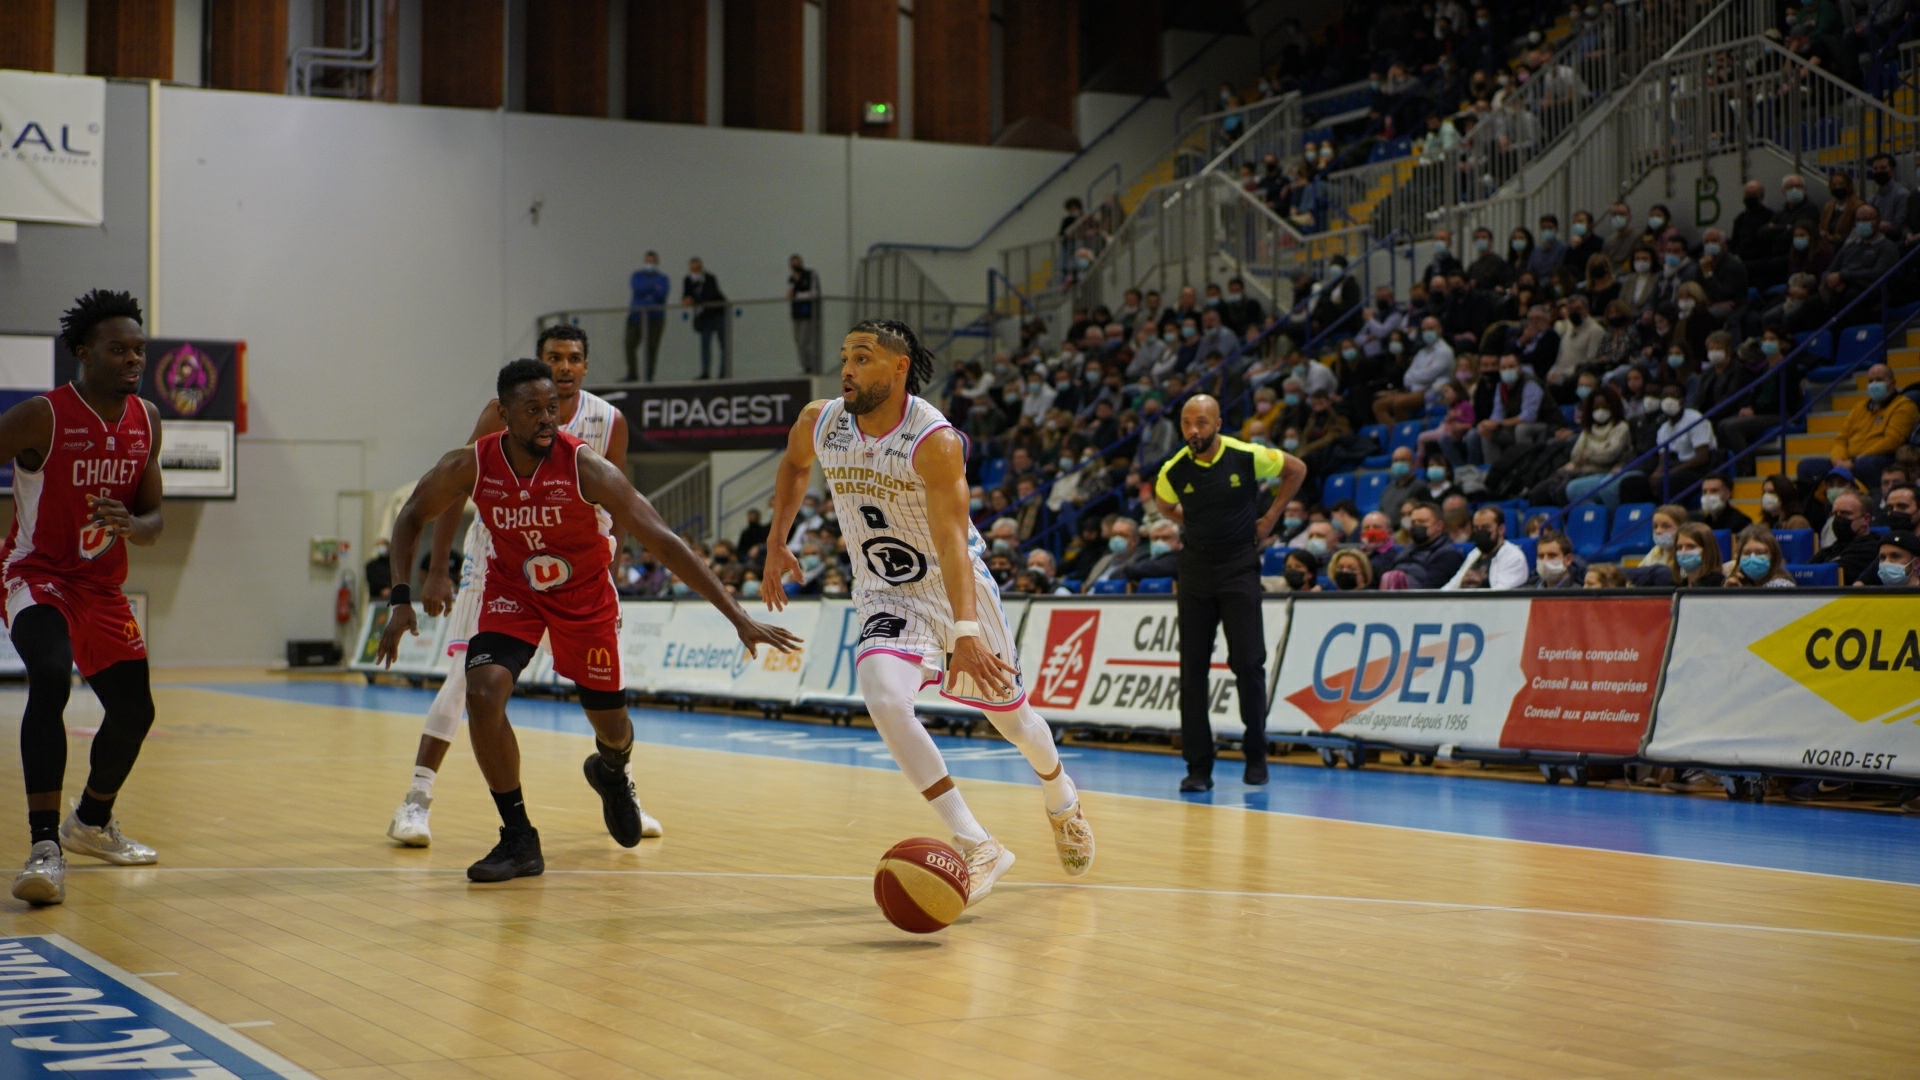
[1335, 923]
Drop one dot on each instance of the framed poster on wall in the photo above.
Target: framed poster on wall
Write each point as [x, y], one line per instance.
[196, 459]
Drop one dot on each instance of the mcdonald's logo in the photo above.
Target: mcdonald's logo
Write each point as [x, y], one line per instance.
[131, 630]
[601, 658]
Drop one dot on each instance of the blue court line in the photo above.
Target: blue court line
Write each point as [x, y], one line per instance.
[1877, 847]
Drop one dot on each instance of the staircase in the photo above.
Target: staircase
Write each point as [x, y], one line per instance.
[1822, 425]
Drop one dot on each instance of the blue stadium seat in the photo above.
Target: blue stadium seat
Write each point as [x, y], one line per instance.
[1795, 544]
[1464, 547]
[1382, 436]
[1587, 527]
[1632, 532]
[1109, 586]
[993, 472]
[1568, 411]
[1856, 342]
[1725, 537]
[1338, 486]
[1366, 493]
[1900, 314]
[1822, 346]
[1072, 584]
[1530, 547]
[1406, 434]
[1816, 574]
[1273, 561]
[1155, 585]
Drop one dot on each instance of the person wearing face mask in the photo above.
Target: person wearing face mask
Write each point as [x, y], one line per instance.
[1758, 562]
[1720, 378]
[1383, 318]
[1549, 250]
[1430, 560]
[1584, 241]
[1432, 363]
[1403, 480]
[1879, 424]
[1673, 272]
[1323, 429]
[1855, 547]
[1726, 286]
[1123, 548]
[1350, 571]
[1808, 251]
[1621, 238]
[1780, 506]
[1580, 338]
[1750, 226]
[1376, 542]
[1660, 227]
[1638, 284]
[1773, 398]
[1899, 503]
[1515, 423]
[646, 315]
[1604, 445]
[1696, 558]
[1445, 260]
[1864, 259]
[1493, 563]
[1556, 565]
[1240, 310]
[1898, 568]
[1716, 506]
[1491, 269]
[1436, 480]
[1837, 218]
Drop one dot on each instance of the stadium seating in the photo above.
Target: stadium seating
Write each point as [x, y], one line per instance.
[1725, 537]
[1339, 486]
[1530, 547]
[1816, 574]
[1587, 528]
[1632, 532]
[1382, 437]
[1156, 585]
[1796, 544]
[1406, 434]
[993, 472]
[1109, 587]
[1366, 493]
[1273, 561]
[1856, 342]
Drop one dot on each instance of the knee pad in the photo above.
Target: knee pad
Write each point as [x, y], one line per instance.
[602, 700]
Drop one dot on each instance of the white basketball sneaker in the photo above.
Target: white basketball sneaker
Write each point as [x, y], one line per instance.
[649, 826]
[1073, 838]
[44, 881]
[409, 824]
[104, 842]
[987, 861]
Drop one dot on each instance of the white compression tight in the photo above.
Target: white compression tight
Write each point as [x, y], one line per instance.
[890, 683]
[450, 704]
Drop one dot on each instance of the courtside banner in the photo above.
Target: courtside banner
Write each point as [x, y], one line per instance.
[418, 654]
[829, 677]
[641, 624]
[737, 414]
[699, 652]
[1825, 682]
[1574, 675]
[52, 146]
[1117, 661]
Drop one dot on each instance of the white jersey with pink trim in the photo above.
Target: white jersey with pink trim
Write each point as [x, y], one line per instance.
[881, 500]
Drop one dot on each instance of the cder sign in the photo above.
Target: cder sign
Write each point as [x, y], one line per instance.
[753, 414]
[1573, 675]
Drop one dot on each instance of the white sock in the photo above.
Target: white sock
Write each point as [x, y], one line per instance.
[953, 810]
[422, 782]
[1027, 730]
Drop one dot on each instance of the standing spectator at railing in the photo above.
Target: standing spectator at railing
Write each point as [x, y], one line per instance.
[1758, 562]
[1493, 563]
[646, 315]
[1863, 260]
[1696, 558]
[1622, 239]
[1443, 261]
[701, 292]
[1855, 547]
[803, 304]
[1716, 506]
[1837, 218]
[1432, 363]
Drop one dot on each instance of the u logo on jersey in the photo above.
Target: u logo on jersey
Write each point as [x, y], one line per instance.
[547, 572]
[94, 541]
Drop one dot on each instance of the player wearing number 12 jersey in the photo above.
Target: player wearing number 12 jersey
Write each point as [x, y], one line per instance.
[548, 503]
[921, 589]
[86, 483]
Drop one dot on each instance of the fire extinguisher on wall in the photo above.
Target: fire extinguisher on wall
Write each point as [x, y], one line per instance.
[343, 599]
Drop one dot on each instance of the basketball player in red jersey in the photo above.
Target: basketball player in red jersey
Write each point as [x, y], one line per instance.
[86, 478]
[549, 504]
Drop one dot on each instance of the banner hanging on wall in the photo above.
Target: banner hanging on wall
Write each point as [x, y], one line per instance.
[1118, 662]
[52, 147]
[738, 414]
[1573, 675]
[1816, 682]
[200, 390]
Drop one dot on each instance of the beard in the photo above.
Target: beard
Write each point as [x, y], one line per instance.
[1201, 446]
[867, 399]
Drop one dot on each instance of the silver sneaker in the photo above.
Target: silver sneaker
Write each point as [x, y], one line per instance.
[44, 881]
[105, 842]
[409, 824]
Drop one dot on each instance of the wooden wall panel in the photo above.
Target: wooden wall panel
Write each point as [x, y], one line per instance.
[567, 57]
[863, 63]
[952, 69]
[1040, 64]
[667, 61]
[26, 35]
[249, 46]
[130, 38]
[764, 43]
[462, 53]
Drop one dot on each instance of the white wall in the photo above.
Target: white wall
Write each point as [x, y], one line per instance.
[381, 262]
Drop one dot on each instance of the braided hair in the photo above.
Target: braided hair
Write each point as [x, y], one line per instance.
[898, 337]
[76, 325]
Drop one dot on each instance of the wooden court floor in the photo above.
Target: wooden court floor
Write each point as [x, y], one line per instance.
[1206, 942]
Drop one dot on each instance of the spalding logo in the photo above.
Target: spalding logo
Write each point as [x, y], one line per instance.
[547, 572]
[94, 541]
[940, 860]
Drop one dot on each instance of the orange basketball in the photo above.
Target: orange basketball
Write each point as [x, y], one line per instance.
[921, 885]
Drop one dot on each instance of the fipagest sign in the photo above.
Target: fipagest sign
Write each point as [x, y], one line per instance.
[1118, 662]
[52, 147]
[1785, 680]
[1574, 675]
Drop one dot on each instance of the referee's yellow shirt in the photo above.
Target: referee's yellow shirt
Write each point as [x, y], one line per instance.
[1219, 498]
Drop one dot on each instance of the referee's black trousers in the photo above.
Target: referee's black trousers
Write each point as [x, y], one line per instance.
[1232, 602]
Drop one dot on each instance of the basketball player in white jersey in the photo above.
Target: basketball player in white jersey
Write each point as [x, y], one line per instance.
[585, 416]
[898, 471]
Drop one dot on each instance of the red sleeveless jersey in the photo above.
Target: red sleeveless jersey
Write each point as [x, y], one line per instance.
[547, 538]
[53, 534]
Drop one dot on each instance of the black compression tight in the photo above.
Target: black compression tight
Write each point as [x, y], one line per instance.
[40, 637]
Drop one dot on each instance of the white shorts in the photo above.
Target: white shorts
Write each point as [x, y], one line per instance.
[464, 621]
[918, 626]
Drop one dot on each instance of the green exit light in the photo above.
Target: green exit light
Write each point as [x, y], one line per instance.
[879, 113]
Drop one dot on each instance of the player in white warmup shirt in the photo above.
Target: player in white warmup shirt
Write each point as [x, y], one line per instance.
[921, 588]
[585, 416]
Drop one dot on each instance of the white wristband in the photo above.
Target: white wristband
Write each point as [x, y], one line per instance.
[965, 628]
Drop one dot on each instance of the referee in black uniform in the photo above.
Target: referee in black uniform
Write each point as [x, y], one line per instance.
[1209, 487]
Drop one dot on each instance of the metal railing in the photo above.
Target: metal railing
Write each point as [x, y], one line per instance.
[684, 501]
[356, 69]
[749, 489]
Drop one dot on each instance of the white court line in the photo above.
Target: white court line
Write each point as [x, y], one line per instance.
[1443, 905]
